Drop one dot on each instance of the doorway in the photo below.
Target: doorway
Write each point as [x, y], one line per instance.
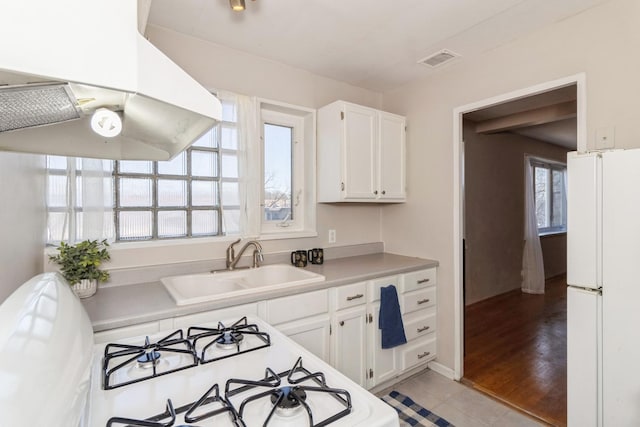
[497, 134]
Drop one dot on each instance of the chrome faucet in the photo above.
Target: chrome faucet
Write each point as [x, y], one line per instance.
[232, 259]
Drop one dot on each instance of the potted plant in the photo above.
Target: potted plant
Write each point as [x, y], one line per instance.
[80, 265]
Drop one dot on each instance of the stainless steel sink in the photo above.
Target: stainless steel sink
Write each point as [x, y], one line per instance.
[196, 288]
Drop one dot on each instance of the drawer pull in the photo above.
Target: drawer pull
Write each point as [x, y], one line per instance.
[423, 301]
[355, 297]
[342, 323]
[421, 281]
[423, 355]
[424, 328]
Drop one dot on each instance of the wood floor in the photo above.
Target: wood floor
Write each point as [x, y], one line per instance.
[516, 350]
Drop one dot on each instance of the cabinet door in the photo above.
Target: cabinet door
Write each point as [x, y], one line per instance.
[391, 148]
[360, 156]
[349, 343]
[382, 362]
[311, 333]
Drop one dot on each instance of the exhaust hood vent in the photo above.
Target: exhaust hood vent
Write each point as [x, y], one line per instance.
[70, 58]
[438, 58]
[36, 105]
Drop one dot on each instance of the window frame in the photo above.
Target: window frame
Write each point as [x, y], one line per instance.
[304, 165]
[296, 124]
[551, 166]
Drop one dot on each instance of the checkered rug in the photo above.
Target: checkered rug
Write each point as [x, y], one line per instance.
[411, 413]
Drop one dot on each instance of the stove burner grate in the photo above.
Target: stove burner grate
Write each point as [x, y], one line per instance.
[227, 338]
[292, 397]
[168, 417]
[147, 357]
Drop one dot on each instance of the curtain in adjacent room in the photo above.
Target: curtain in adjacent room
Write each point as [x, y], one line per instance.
[532, 262]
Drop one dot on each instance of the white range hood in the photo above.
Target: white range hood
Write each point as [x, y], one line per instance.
[61, 60]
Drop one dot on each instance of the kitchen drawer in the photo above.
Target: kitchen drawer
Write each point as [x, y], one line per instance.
[376, 284]
[211, 318]
[418, 300]
[418, 280]
[295, 307]
[350, 295]
[418, 325]
[416, 353]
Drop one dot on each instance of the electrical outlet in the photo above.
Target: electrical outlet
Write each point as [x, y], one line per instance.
[332, 236]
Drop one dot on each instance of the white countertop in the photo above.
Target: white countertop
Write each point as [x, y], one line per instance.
[126, 305]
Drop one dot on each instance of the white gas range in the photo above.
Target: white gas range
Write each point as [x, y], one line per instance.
[238, 372]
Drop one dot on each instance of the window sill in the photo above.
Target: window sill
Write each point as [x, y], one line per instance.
[552, 233]
[288, 235]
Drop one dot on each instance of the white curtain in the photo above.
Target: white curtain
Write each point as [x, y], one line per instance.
[97, 201]
[248, 139]
[532, 263]
[87, 190]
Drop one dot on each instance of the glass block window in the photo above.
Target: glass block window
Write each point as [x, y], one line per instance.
[148, 200]
[182, 197]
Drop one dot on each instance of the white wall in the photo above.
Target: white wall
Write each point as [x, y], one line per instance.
[603, 42]
[217, 67]
[22, 219]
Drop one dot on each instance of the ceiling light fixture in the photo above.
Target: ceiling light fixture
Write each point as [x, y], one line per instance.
[237, 5]
[106, 123]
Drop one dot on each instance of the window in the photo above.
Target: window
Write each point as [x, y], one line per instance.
[177, 198]
[146, 200]
[283, 178]
[550, 196]
[252, 176]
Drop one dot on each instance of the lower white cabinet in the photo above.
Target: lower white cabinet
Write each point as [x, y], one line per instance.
[382, 362]
[311, 333]
[339, 325]
[356, 343]
[349, 343]
[304, 318]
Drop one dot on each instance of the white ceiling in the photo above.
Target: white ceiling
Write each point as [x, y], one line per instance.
[373, 44]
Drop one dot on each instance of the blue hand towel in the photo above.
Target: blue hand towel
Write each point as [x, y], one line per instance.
[390, 319]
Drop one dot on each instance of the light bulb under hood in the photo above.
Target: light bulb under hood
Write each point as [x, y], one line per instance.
[93, 51]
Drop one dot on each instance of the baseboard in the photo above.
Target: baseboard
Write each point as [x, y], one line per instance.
[442, 370]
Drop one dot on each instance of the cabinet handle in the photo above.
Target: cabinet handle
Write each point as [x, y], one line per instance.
[354, 297]
[342, 323]
[370, 318]
[424, 328]
[384, 192]
[423, 355]
[375, 192]
[423, 301]
[342, 186]
[421, 281]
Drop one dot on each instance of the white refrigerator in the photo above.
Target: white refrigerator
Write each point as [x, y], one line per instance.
[603, 297]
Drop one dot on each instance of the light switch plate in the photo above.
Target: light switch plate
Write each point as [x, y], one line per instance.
[605, 137]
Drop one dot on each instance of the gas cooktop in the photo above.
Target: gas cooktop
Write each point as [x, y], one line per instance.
[245, 374]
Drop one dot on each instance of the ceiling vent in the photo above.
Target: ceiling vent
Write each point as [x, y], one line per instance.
[438, 58]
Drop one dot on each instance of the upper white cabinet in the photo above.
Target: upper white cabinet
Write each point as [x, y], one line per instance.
[361, 154]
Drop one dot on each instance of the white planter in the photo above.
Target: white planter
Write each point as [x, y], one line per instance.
[86, 288]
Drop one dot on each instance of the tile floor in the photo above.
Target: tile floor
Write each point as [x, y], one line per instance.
[459, 404]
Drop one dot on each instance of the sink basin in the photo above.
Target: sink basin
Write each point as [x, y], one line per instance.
[196, 288]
